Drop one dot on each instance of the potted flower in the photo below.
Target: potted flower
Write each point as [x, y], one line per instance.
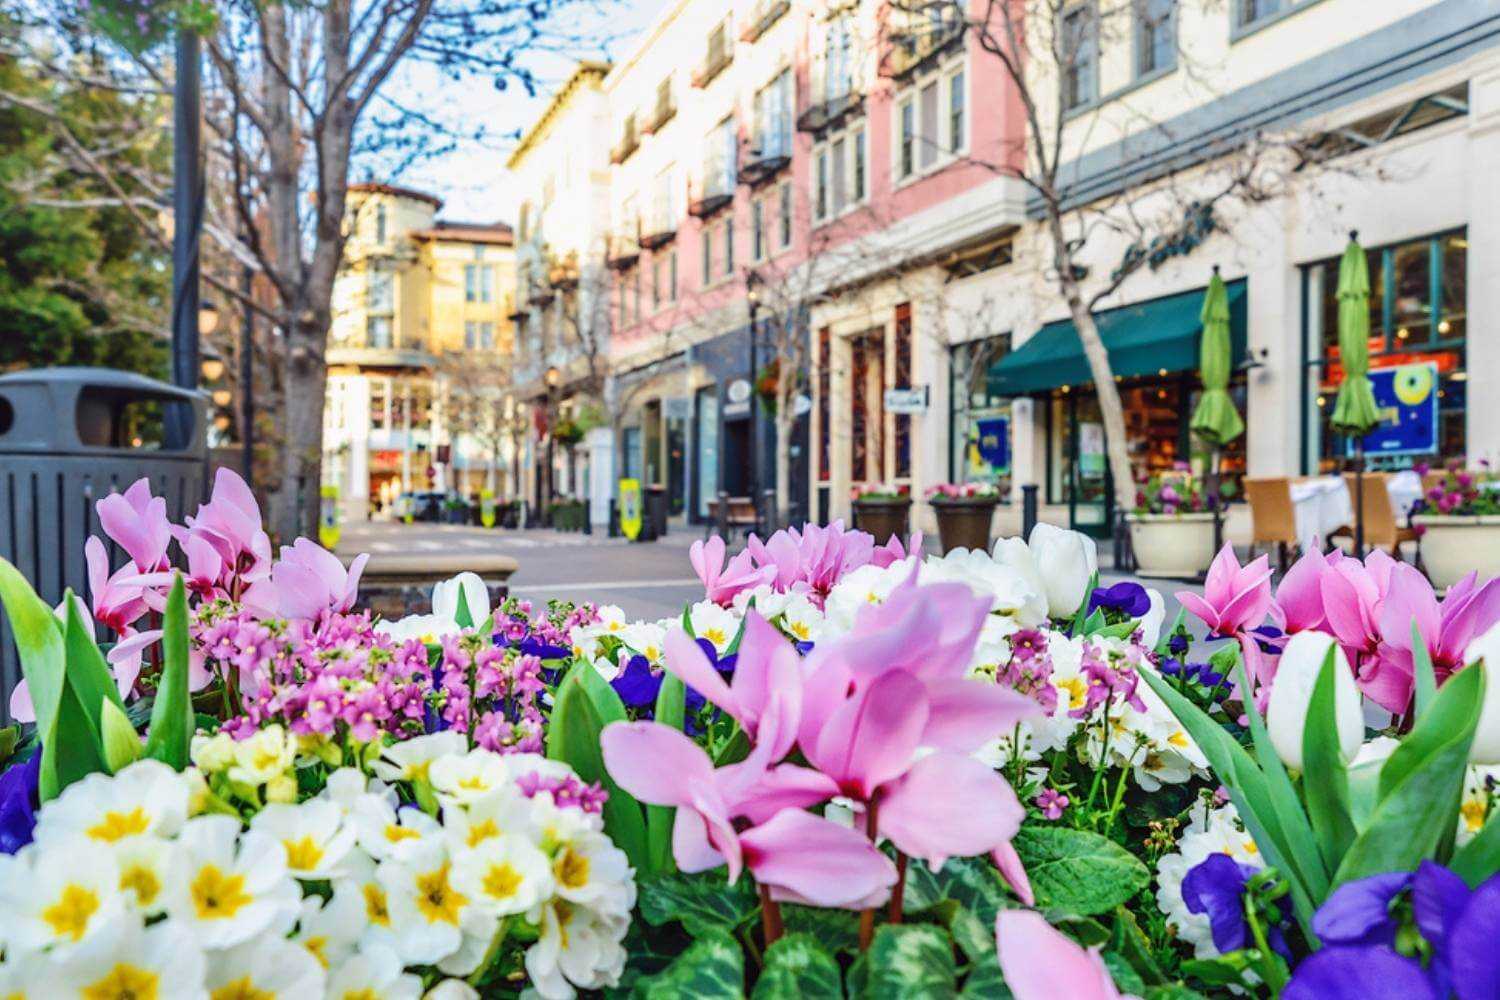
[1459, 521]
[1172, 528]
[882, 509]
[964, 514]
[456, 509]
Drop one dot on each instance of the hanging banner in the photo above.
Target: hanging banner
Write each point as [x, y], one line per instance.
[487, 508]
[989, 448]
[328, 518]
[631, 508]
[1407, 396]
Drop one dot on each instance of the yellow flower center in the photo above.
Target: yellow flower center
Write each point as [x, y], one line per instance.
[715, 636]
[1474, 812]
[69, 916]
[365, 994]
[418, 771]
[571, 869]
[473, 784]
[437, 900]
[319, 948]
[376, 910]
[395, 834]
[217, 896]
[241, 989]
[265, 759]
[799, 629]
[302, 855]
[482, 831]
[1076, 689]
[143, 881]
[502, 881]
[1178, 739]
[124, 982]
[119, 825]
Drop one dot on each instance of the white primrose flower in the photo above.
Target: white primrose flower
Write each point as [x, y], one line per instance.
[504, 811]
[590, 870]
[234, 886]
[212, 753]
[1209, 831]
[575, 949]
[314, 836]
[717, 624]
[32, 975]
[463, 778]
[373, 972]
[423, 628]
[1477, 805]
[432, 921]
[384, 831]
[145, 797]
[162, 962]
[361, 882]
[801, 618]
[330, 929]
[451, 989]
[504, 874]
[646, 639]
[268, 967]
[150, 868]
[263, 756]
[768, 601]
[60, 894]
[870, 584]
[410, 760]
[348, 786]
[1012, 594]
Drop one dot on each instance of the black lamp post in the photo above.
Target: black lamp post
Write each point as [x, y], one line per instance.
[187, 211]
[752, 296]
[553, 378]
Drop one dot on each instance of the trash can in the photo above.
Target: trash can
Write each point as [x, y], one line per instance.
[656, 512]
[69, 436]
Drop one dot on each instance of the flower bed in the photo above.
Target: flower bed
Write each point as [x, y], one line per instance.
[848, 770]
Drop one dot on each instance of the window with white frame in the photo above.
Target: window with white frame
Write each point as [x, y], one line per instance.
[719, 159]
[838, 60]
[663, 278]
[1080, 56]
[1155, 36]
[773, 117]
[379, 291]
[729, 245]
[840, 173]
[758, 229]
[479, 283]
[932, 122]
[663, 204]
[1247, 12]
[479, 335]
[784, 205]
[380, 222]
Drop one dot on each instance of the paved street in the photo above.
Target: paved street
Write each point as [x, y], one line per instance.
[650, 580]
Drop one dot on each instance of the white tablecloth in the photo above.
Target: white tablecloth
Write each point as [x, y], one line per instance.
[1320, 506]
[1405, 489]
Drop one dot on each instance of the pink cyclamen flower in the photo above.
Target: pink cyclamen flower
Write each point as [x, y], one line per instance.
[721, 582]
[137, 522]
[231, 523]
[309, 581]
[1468, 610]
[1235, 598]
[893, 551]
[1041, 963]
[1052, 803]
[1299, 598]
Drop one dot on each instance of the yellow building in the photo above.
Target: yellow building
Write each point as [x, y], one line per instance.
[419, 353]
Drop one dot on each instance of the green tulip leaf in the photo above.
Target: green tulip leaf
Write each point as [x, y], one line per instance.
[1423, 675]
[671, 710]
[1325, 785]
[573, 738]
[122, 745]
[170, 735]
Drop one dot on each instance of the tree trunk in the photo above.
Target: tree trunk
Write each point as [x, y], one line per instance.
[294, 505]
[786, 422]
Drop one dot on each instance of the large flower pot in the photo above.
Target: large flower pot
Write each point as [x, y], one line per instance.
[883, 518]
[1180, 546]
[1455, 546]
[964, 523]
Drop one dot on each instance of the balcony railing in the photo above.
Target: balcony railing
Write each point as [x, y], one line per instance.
[829, 112]
[624, 249]
[629, 143]
[664, 112]
[713, 64]
[714, 194]
[766, 155]
[919, 45]
[765, 14]
[658, 229]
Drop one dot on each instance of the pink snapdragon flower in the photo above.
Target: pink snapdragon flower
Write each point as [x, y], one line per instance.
[721, 582]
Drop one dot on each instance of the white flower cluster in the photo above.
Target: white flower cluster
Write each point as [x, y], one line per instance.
[1216, 830]
[126, 892]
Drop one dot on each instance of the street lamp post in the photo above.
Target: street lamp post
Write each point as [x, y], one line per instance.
[187, 199]
[752, 295]
[247, 377]
[553, 378]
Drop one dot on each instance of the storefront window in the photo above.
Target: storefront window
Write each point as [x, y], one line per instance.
[981, 421]
[1417, 355]
[707, 438]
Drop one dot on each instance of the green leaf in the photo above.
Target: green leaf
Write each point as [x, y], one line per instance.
[10, 738]
[1325, 785]
[701, 903]
[973, 882]
[1127, 940]
[1426, 680]
[1173, 991]
[170, 735]
[1480, 857]
[606, 699]
[573, 738]
[671, 709]
[121, 744]
[1125, 977]
[911, 962]
[986, 982]
[87, 670]
[838, 930]
[70, 743]
[1420, 791]
[713, 968]
[463, 616]
[1078, 871]
[798, 966]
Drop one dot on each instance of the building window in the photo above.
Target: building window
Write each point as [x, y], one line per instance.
[1155, 36]
[784, 216]
[1418, 324]
[729, 246]
[378, 331]
[379, 291]
[773, 118]
[380, 222]
[623, 289]
[841, 181]
[635, 294]
[658, 282]
[719, 164]
[672, 275]
[1080, 51]
[838, 59]
[957, 101]
[928, 103]
[1250, 11]
[907, 163]
[479, 283]
[820, 196]
[706, 248]
[758, 230]
[479, 335]
[903, 381]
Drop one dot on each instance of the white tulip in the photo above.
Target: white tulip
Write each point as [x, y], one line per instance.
[476, 594]
[1065, 561]
[1152, 621]
[1292, 691]
[1486, 746]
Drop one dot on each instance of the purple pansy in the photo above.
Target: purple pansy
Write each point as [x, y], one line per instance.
[1215, 887]
[18, 803]
[1127, 597]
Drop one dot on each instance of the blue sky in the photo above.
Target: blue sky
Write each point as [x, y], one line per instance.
[471, 180]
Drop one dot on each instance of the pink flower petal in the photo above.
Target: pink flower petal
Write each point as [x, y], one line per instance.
[685, 659]
[655, 763]
[1041, 963]
[822, 862]
[1014, 872]
[873, 736]
[949, 805]
[963, 715]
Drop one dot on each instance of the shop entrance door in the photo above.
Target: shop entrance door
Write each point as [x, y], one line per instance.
[1089, 486]
[867, 417]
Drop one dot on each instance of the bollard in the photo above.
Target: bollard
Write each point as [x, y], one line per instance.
[1028, 509]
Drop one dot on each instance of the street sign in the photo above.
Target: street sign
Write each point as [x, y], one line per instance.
[909, 400]
[329, 529]
[630, 508]
[487, 508]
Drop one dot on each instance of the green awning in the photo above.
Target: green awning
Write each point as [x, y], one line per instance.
[1142, 339]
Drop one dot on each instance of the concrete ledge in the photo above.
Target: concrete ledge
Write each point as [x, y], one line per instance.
[410, 569]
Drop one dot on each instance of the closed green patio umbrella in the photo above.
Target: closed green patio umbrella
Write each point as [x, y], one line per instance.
[1354, 412]
[1215, 419]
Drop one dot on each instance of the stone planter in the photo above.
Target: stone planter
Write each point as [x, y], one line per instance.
[1455, 546]
[1180, 546]
[964, 523]
[883, 518]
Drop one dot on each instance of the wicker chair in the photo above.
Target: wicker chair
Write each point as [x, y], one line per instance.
[1273, 518]
[1382, 531]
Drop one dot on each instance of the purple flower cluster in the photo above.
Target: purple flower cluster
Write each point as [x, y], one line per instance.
[566, 791]
[490, 692]
[1030, 668]
[546, 636]
[329, 677]
[1109, 682]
